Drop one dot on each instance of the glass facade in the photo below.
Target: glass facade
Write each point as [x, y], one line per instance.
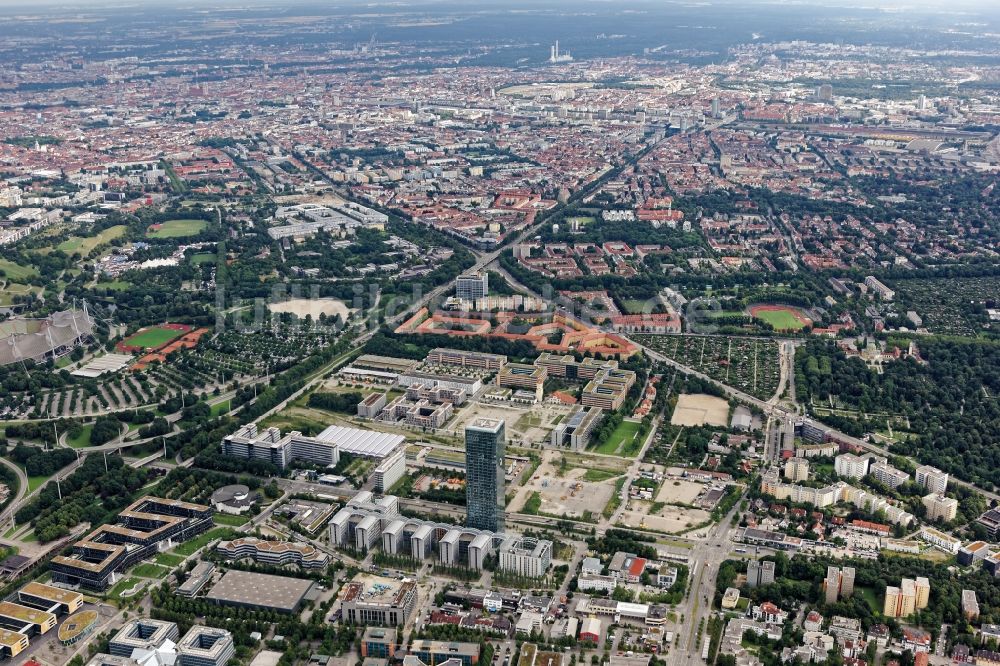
[484, 470]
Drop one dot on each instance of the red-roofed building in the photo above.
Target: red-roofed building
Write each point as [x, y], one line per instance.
[635, 570]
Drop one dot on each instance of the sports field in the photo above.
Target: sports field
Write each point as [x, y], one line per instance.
[781, 317]
[176, 228]
[152, 337]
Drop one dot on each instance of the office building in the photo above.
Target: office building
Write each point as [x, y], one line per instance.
[608, 389]
[390, 471]
[839, 583]
[931, 478]
[277, 553]
[385, 603]
[205, 646]
[439, 380]
[484, 474]
[433, 653]
[940, 507]
[196, 580]
[466, 359]
[991, 521]
[255, 590]
[590, 582]
[471, 286]
[324, 449]
[971, 553]
[55, 600]
[378, 643]
[12, 643]
[141, 529]
[365, 522]
[760, 572]
[575, 430]
[523, 376]
[526, 556]
[24, 619]
[142, 634]
[102, 659]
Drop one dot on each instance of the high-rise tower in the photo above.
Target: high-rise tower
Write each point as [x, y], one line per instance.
[484, 474]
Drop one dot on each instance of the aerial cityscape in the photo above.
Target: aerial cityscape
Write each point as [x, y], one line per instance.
[504, 333]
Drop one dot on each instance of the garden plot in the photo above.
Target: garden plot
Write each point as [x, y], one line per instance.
[751, 365]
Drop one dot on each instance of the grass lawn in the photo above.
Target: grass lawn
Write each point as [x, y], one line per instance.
[16, 271]
[150, 570]
[30, 537]
[153, 337]
[14, 289]
[622, 438]
[177, 228]
[35, 481]
[868, 594]
[85, 245]
[202, 258]
[598, 475]
[221, 408]
[122, 585]
[781, 320]
[533, 504]
[616, 499]
[115, 285]
[633, 306]
[168, 560]
[82, 440]
[229, 519]
[189, 548]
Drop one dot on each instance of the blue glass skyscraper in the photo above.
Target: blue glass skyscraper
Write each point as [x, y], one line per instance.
[484, 474]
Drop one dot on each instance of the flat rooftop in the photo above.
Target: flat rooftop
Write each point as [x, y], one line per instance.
[25, 614]
[359, 442]
[10, 638]
[374, 590]
[485, 425]
[264, 590]
[50, 593]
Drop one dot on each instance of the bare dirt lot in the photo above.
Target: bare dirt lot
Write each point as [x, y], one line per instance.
[566, 494]
[313, 307]
[679, 491]
[698, 409]
[669, 519]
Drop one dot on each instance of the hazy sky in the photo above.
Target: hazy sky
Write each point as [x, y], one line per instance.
[944, 6]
